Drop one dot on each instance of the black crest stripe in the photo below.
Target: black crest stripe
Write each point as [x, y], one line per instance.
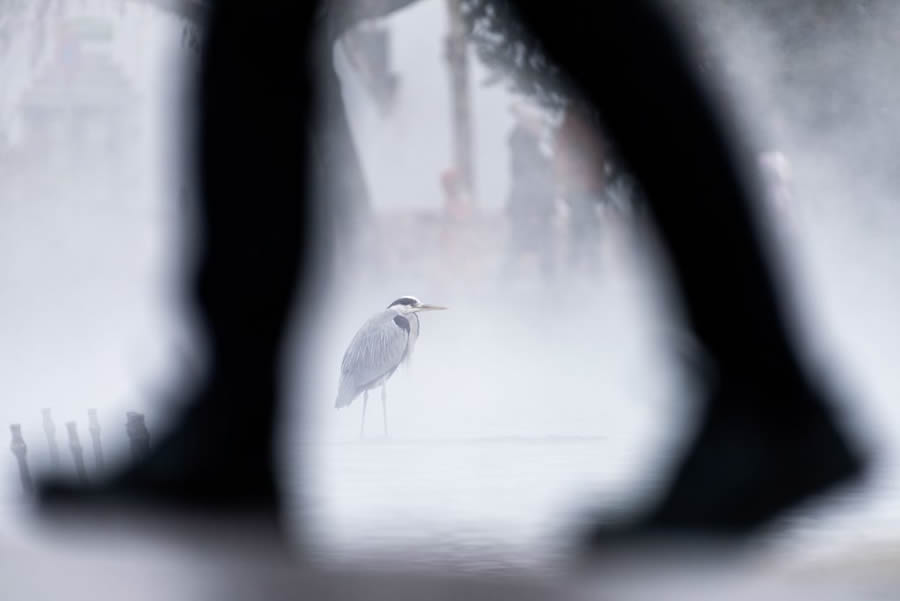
[403, 300]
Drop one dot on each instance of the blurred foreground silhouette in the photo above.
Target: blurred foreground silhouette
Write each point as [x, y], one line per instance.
[765, 439]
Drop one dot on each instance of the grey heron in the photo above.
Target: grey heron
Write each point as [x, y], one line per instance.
[385, 341]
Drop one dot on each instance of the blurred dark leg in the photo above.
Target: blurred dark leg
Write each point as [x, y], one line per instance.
[766, 438]
[252, 124]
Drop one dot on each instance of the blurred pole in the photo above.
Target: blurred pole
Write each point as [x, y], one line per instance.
[460, 100]
[77, 453]
[94, 428]
[50, 431]
[138, 434]
[20, 450]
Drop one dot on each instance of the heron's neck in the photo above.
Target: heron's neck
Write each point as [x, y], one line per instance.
[413, 320]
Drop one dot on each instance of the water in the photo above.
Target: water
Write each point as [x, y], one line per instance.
[479, 504]
[503, 505]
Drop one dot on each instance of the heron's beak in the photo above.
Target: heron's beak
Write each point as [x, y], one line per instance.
[424, 307]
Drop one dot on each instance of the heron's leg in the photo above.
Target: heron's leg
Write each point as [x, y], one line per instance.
[384, 406]
[362, 424]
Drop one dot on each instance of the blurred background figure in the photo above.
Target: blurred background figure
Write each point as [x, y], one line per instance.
[530, 205]
[579, 156]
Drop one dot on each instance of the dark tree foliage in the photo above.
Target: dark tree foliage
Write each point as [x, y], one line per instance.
[514, 56]
[826, 47]
[511, 53]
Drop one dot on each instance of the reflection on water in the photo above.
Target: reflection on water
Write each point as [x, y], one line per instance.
[487, 505]
[478, 504]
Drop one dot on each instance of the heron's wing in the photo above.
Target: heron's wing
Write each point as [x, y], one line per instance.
[375, 351]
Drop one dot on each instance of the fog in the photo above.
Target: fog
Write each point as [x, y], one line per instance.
[551, 399]
[535, 398]
[92, 217]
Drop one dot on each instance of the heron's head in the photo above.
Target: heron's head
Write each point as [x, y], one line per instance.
[410, 304]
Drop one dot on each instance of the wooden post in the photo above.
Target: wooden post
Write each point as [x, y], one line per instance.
[20, 451]
[458, 65]
[77, 454]
[138, 434]
[50, 431]
[94, 428]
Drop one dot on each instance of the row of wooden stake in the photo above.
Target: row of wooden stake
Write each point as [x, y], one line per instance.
[135, 428]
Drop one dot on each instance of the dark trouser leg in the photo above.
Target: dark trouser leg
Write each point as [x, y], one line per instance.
[766, 439]
[254, 95]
